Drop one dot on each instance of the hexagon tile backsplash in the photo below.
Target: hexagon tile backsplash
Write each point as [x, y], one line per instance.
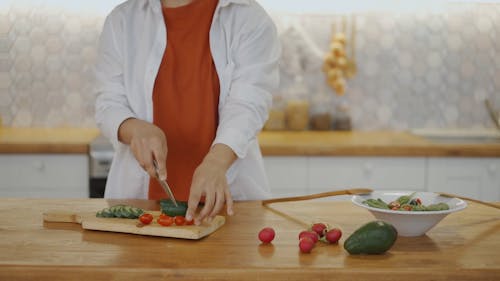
[421, 69]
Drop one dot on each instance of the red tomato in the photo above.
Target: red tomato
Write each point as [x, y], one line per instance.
[191, 222]
[165, 220]
[266, 235]
[179, 220]
[146, 218]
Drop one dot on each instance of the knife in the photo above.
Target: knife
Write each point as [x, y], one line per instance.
[164, 184]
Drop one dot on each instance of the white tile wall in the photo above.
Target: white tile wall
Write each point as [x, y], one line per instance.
[422, 69]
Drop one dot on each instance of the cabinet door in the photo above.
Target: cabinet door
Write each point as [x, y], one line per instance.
[477, 178]
[387, 173]
[287, 175]
[44, 176]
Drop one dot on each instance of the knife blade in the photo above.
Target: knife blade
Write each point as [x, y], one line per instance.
[164, 184]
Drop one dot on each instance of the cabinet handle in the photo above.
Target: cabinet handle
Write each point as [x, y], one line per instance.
[367, 168]
[39, 166]
[492, 169]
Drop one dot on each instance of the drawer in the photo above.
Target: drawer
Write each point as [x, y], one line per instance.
[287, 175]
[389, 173]
[477, 178]
[44, 175]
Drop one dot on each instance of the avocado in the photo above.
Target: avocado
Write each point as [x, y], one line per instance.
[375, 237]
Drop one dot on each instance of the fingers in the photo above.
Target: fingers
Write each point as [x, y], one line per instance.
[147, 160]
[207, 209]
[194, 200]
[229, 202]
[219, 203]
[148, 143]
[160, 154]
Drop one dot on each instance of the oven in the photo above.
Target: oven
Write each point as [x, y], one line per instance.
[100, 157]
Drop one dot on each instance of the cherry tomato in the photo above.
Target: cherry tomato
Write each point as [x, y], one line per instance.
[179, 220]
[146, 218]
[191, 222]
[266, 235]
[165, 220]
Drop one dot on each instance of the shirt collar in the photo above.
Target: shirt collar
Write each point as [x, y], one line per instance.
[156, 4]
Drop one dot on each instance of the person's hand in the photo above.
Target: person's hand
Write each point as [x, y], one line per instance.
[209, 180]
[147, 142]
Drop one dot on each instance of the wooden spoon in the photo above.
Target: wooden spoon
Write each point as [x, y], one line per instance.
[469, 199]
[319, 195]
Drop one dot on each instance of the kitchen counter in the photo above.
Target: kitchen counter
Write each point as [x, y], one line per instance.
[376, 143]
[464, 246]
[46, 140]
[312, 143]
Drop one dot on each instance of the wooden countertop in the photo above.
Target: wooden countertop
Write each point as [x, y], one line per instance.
[332, 143]
[376, 143]
[50, 140]
[464, 246]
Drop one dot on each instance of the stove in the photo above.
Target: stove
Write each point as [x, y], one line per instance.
[100, 156]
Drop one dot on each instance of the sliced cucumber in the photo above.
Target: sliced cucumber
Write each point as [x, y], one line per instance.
[120, 211]
[124, 212]
[137, 212]
[115, 210]
[107, 213]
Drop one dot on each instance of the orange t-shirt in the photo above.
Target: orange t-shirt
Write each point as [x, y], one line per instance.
[186, 95]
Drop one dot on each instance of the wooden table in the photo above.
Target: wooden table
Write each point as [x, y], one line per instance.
[464, 246]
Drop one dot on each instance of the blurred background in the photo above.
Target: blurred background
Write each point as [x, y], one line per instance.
[411, 64]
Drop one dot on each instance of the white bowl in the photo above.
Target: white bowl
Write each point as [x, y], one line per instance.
[410, 223]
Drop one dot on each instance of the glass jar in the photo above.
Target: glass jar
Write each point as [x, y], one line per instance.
[321, 117]
[342, 118]
[297, 106]
[276, 120]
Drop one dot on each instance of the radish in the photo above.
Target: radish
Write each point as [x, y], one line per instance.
[333, 235]
[266, 235]
[319, 228]
[306, 245]
[311, 234]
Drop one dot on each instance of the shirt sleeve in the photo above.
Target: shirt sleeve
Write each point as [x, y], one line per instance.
[111, 107]
[256, 74]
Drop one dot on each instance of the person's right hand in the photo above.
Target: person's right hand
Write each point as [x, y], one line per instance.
[147, 142]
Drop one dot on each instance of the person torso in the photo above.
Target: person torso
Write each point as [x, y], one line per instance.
[186, 94]
[139, 24]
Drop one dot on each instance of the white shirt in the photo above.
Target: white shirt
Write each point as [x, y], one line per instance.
[245, 49]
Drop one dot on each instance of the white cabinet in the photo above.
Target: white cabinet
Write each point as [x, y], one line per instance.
[44, 175]
[394, 173]
[477, 178]
[472, 177]
[287, 175]
[291, 176]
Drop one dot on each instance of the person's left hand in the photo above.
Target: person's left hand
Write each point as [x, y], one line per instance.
[209, 180]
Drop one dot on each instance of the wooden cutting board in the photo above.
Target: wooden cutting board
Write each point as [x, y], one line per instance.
[90, 221]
